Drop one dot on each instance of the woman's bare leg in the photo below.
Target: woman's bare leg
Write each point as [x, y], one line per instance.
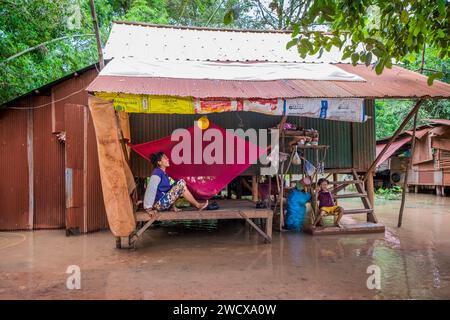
[190, 198]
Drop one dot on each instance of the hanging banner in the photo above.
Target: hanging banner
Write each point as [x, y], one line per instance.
[351, 110]
[203, 106]
[171, 105]
[266, 106]
[133, 103]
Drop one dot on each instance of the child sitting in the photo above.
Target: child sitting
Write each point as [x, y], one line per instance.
[327, 205]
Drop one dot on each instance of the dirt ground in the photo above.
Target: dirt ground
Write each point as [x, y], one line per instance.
[229, 261]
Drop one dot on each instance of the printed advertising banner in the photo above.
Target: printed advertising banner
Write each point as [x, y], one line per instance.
[133, 103]
[350, 110]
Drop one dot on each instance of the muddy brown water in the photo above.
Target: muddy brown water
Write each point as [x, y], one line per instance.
[231, 262]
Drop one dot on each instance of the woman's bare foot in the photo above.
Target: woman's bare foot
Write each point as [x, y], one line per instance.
[202, 206]
[150, 212]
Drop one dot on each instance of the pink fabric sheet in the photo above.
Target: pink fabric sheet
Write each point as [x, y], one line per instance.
[204, 180]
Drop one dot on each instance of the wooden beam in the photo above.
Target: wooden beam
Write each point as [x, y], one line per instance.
[262, 233]
[394, 136]
[405, 180]
[254, 188]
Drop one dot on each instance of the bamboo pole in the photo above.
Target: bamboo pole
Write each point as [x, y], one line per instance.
[391, 139]
[97, 34]
[405, 181]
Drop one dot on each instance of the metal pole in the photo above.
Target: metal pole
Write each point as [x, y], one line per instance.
[391, 139]
[405, 180]
[97, 35]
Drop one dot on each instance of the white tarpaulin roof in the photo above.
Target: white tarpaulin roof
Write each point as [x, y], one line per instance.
[225, 71]
[156, 42]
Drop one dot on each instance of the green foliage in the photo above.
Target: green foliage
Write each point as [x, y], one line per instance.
[390, 113]
[393, 193]
[385, 29]
[25, 24]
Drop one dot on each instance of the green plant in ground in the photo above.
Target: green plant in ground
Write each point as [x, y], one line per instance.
[393, 193]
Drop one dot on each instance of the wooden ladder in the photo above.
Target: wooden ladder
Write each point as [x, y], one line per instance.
[359, 184]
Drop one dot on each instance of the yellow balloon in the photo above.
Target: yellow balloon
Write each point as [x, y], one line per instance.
[203, 123]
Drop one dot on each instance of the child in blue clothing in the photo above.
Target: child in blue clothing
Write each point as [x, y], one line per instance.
[297, 199]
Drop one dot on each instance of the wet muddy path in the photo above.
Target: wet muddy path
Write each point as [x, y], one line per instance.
[231, 262]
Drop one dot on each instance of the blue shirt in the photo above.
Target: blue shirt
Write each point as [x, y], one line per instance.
[164, 184]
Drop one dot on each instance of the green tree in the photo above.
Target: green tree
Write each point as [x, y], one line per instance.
[375, 31]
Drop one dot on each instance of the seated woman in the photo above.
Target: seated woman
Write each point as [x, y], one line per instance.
[160, 194]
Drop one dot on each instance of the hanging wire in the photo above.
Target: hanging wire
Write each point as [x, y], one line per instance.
[46, 104]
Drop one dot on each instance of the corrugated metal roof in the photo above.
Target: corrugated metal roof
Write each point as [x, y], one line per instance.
[419, 133]
[160, 42]
[392, 148]
[154, 43]
[393, 83]
[444, 122]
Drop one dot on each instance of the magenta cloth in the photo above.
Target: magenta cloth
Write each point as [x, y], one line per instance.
[204, 180]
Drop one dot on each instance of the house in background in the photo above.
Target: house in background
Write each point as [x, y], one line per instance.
[430, 160]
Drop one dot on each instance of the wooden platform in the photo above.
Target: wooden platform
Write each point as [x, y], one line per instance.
[349, 227]
[228, 209]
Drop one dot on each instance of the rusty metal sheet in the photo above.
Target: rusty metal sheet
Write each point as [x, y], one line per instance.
[444, 122]
[14, 200]
[392, 148]
[393, 83]
[70, 91]
[96, 214]
[48, 169]
[75, 151]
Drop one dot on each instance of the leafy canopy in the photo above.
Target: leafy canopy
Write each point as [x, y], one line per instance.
[375, 31]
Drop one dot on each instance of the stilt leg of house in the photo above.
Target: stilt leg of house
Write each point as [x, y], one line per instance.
[371, 197]
[416, 189]
[255, 188]
[438, 190]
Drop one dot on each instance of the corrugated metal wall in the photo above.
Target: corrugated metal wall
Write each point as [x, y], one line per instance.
[96, 214]
[351, 145]
[14, 200]
[39, 123]
[364, 139]
[48, 169]
[74, 124]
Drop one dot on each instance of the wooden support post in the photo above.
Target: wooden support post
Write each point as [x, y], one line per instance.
[255, 188]
[239, 187]
[394, 136]
[269, 226]
[335, 178]
[251, 223]
[371, 197]
[408, 168]
[282, 197]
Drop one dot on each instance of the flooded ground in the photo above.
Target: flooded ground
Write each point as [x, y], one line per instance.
[231, 262]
